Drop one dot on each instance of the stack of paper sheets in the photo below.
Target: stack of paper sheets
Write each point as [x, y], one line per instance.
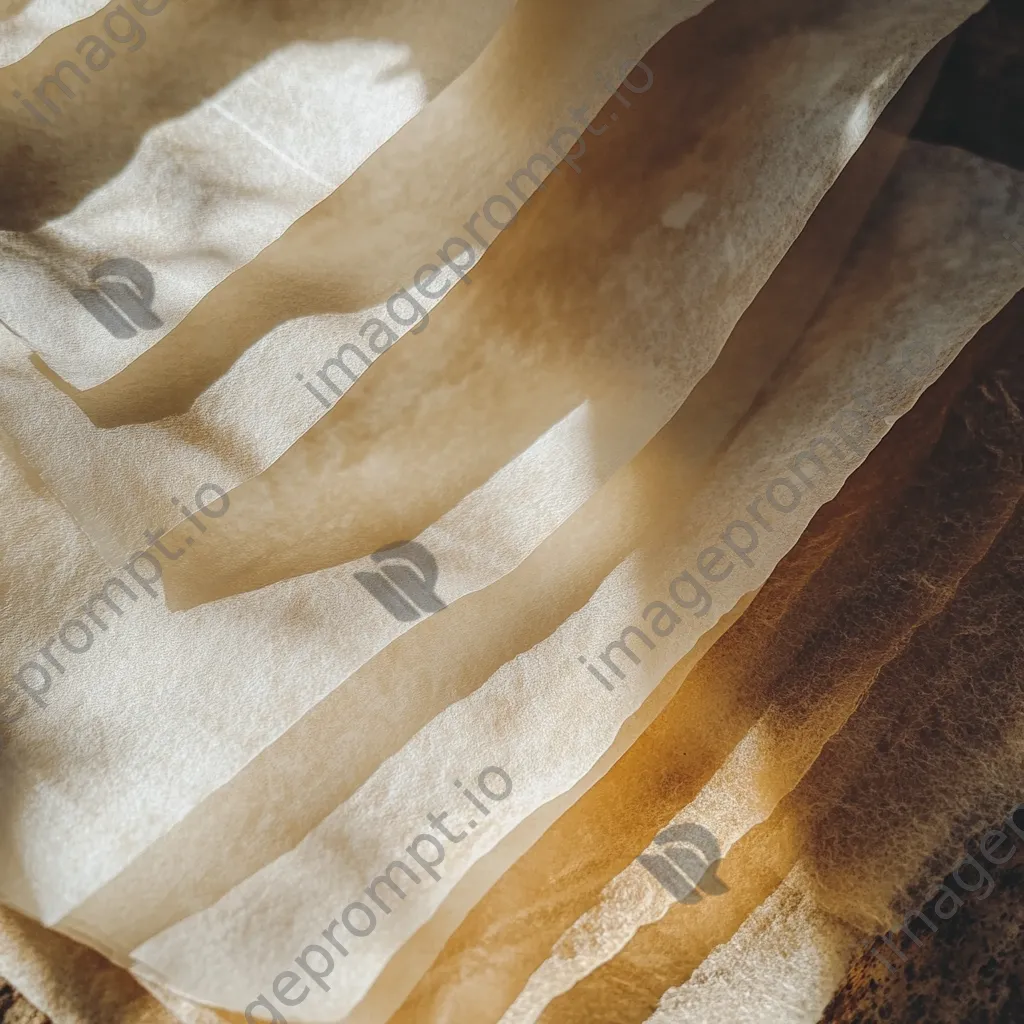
[412, 419]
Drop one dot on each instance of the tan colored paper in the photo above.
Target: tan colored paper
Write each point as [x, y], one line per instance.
[70, 984]
[823, 807]
[162, 755]
[744, 976]
[24, 24]
[447, 656]
[819, 691]
[783, 964]
[769, 328]
[933, 752]
[527, 718]
[491, 956]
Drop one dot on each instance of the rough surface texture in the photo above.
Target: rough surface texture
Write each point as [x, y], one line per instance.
[16, 1010]
[972, 969]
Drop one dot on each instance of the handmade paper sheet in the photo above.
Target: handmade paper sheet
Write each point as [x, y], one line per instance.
[447, 656]
[247, 660]
[549, 474]
[943, 469]
[524, 720]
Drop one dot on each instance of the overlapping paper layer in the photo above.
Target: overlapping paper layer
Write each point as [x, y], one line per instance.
[618, 438]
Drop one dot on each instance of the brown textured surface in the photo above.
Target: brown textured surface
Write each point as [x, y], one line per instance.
[972, 969]
[15, 1009]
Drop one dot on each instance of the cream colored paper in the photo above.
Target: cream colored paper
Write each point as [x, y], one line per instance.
[783, 964]
[769, 328]
[541, 717]
[24, 24]
[821, 692]
[771, 325]
[459, 148]
[162, 755]
[233, 120]
[935, 743]
[27, 524]
[488, 961]
[411, 962]
[489, 377]
[564, 569]
[415, 393]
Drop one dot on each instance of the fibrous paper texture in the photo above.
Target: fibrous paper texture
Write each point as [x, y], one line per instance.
[948, 474]
[526, 718]
[601, 440]
[267, 681]
[398, 691]
[26, 24]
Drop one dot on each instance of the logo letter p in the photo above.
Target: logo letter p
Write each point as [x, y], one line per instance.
[119, 308]
[405, 593]
[682, 869]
